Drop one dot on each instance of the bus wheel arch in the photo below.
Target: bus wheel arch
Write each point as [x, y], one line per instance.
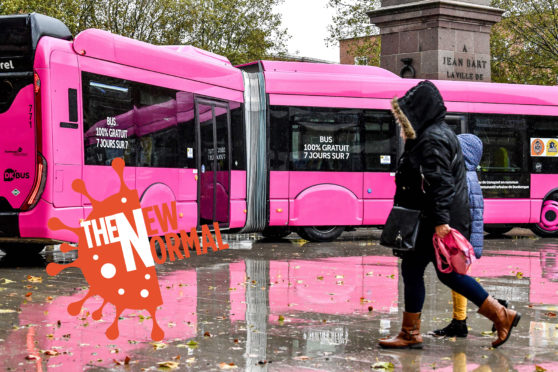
[548, 225]
[320, 233]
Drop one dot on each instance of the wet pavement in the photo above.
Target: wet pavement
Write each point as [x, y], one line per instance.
[282, 306]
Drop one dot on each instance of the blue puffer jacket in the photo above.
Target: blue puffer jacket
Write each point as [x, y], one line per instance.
[471, 146]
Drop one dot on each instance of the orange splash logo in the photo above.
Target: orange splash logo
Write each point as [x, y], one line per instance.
[123, 276]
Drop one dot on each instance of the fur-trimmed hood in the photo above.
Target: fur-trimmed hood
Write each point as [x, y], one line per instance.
[421, 106]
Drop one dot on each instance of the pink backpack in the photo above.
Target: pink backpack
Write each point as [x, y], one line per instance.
[453, 253]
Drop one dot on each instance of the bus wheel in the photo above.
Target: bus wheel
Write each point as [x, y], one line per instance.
[548, 227]
[320, 233]
[275, 232]
[497, 230]
[21, 249]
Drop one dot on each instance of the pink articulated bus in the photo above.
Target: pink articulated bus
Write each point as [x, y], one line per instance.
[271, 146]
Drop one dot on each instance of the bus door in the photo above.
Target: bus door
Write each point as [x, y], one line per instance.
[66, 131]
[212, 120]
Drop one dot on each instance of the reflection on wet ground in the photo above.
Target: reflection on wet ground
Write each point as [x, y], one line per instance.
[285, 306]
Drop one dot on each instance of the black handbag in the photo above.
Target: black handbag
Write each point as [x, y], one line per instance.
[401, 230]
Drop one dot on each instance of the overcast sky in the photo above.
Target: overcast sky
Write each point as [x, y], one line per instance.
[307, 21]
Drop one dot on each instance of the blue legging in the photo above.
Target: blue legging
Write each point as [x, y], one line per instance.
[412, 270]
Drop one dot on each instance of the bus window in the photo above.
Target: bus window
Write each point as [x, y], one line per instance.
[503, 165]
[456, 122]
[108, 115]
[545, 129]
[186, 130]
[238, 137]
[17, 55]
[380, 141]
[156, 127]
[502, 137]
[279, 138]
[325, 139]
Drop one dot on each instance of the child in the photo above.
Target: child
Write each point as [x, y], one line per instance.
[471, 146]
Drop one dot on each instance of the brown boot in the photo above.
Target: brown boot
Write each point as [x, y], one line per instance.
[409, 337]
[504, 319]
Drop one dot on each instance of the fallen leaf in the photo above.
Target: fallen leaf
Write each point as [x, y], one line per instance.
[281, 319]
[34, 279]
[32, 357]
[386, 366]
[6, 281]
[320, 278]
[50, 352]
[550, 314]
[207, 334]
[125, 362]
[370, 273]
[28, 294]
[168, 365]
[301, 357]
[6, 311]
[192, 344]
[339, 276]
[486, 333]
[158, 345]
[539, 368]
[370, 308]
[227, 365]
[519, 275]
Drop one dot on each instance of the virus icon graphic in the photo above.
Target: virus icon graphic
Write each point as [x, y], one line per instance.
[103, 265]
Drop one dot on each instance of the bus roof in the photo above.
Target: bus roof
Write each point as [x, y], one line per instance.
[187, 62]
[315, 79]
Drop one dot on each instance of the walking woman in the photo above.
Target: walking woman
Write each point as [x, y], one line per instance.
[431, 177]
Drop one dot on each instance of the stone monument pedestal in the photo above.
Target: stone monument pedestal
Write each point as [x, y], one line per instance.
[436, 39]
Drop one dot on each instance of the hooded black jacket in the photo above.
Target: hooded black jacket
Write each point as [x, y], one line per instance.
[442, 194]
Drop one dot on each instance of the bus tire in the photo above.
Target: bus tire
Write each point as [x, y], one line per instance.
[21, 249]
[497, 230]
[320, 233]
[548, 226]
[275, 232]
